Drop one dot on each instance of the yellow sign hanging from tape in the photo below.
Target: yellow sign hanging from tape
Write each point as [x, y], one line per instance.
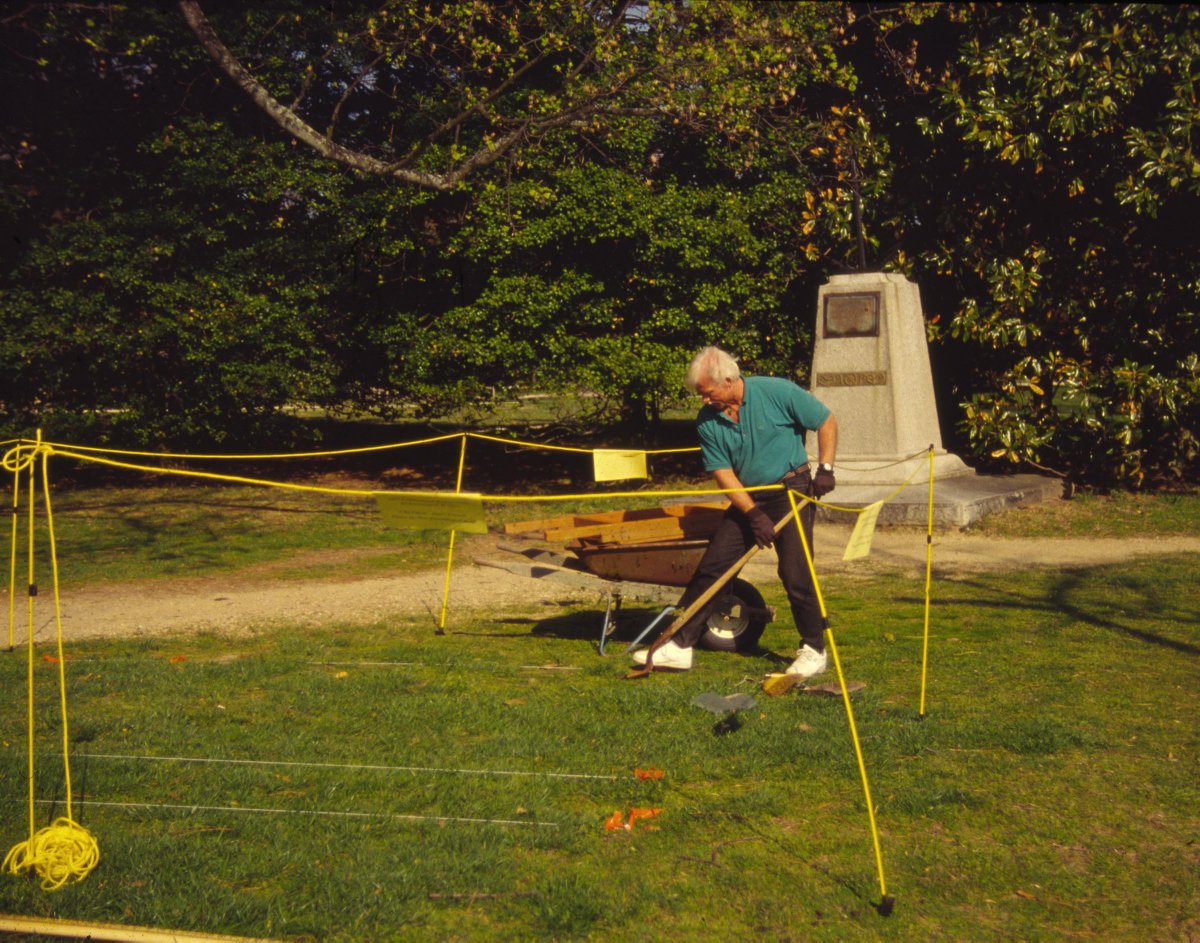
[859, 544]
[617, 464]
[433, 511]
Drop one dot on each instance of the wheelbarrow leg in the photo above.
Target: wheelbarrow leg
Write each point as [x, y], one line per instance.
[650, 628]
[610, 617]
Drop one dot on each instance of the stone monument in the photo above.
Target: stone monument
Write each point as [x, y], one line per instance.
[871, 367]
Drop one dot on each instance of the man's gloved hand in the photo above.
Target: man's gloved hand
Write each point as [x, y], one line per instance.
[823, 482]
[760, 523]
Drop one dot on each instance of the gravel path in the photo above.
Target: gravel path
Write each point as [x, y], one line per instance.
[240, 604]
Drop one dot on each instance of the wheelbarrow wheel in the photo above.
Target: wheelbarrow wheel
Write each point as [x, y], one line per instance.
[737, 620]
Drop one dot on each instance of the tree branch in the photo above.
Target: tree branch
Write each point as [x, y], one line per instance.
[509, 132]
[358, 79]
[293, 123]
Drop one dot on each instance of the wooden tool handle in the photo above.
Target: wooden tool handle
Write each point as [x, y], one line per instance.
[681, 620]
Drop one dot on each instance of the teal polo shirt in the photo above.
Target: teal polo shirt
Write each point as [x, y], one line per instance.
[767, 441]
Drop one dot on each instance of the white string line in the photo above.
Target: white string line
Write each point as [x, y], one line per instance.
[347, 766]
[440, 819]
[368, 664]
[418, 664]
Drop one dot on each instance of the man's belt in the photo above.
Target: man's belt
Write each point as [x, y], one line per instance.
[797, 479]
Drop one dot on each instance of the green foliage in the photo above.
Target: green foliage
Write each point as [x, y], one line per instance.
[600, 278]
[569, 197]
[168, 320]
[1063, 257]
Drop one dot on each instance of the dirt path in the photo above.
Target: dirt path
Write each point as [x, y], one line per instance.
[241, 604]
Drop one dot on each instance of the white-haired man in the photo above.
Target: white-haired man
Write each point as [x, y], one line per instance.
[752, 433]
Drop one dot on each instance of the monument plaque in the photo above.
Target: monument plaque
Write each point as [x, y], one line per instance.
[872, 378]
[852, 314]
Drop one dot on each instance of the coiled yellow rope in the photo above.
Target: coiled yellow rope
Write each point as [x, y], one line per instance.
[60, 853]
[63, 851]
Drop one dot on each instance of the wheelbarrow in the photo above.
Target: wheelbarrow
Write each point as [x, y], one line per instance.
[646, 554]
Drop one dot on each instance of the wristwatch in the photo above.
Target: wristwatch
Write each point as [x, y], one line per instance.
[825, 466]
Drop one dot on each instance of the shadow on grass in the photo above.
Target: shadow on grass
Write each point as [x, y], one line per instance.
[586, 626]
[574, 626]
[1069, 585]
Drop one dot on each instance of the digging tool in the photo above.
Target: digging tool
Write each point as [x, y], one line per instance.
[703, 599]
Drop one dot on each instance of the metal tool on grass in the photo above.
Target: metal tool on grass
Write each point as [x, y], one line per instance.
[701, 601]
[726, 708]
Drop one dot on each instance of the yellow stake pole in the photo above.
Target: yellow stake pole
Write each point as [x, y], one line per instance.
[12, 563]
[928, 580]
[32, 591]
[886, 903]
[62, 659]
[63, 850]
[462, 461]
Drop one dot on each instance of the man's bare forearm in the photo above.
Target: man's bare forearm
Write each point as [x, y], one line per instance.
[729, 481]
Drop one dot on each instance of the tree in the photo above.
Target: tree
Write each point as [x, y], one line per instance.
[408, 206]
[1098, 276]
[1045, 184]
[587, 143]
[603, 274]
[172, 320]
[148, 294]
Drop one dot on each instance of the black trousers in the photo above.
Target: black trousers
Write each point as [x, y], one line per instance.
[732, 539]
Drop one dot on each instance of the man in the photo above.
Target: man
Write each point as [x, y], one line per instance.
[751, 433]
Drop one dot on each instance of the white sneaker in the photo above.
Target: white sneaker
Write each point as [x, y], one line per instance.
[672, 656]
[808, 662]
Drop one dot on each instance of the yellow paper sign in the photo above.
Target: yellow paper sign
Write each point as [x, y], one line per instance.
[860, 540]
[616, 464]
[433, 511]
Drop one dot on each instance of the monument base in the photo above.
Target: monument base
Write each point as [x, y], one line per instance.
[958, 501]
[893, 469]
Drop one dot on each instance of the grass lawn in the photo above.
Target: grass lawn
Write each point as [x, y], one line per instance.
[378, 782]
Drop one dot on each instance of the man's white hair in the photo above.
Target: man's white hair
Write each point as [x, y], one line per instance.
[712, 364]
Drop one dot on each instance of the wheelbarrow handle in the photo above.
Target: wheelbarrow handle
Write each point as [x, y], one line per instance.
[703, 599]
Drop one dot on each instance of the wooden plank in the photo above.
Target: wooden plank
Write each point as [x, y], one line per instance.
[564, 576]
[578, 526]
[695, 526]
[663, 528]
[115, 933]
[568, 521]
[564, 520]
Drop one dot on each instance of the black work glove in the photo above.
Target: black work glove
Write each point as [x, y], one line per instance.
[760, 523]
[823, 482]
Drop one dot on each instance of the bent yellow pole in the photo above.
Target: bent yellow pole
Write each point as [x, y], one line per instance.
[886, 903]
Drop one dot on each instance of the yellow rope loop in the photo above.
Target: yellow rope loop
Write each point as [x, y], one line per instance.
[24, 454]
[60, 853]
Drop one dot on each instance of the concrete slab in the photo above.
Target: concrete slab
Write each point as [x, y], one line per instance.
[957, 502]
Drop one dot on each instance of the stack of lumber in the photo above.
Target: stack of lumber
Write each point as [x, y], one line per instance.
[670, 522]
